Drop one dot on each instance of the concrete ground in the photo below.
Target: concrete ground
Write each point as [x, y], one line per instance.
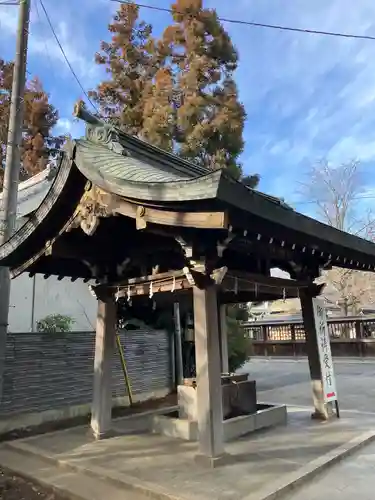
[287, 382]
[136, 465]
[354, 478]
[155, 464]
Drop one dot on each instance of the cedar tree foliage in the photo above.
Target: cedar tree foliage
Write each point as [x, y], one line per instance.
[177, 91]
[39, 119]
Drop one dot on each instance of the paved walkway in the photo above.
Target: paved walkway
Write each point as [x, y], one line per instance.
[288, 381]
[152, 463]
[354, 478]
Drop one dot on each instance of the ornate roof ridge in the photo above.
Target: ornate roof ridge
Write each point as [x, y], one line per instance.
[104, 133]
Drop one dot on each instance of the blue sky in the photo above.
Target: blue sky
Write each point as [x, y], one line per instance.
[306, 96]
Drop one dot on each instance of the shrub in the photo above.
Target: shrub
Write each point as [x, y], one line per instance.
[55, 323]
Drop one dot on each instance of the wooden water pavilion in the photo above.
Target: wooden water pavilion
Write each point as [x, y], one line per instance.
[144, 223]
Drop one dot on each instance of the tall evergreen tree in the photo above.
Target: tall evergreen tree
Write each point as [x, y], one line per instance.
[39, 119]
[177, 92]
[210, 121]
[131, 62]
[158, 122]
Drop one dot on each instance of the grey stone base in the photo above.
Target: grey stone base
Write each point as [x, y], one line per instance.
[175, 427]
[104, 435]
[266, 416]
[212, 462]
[325, 414]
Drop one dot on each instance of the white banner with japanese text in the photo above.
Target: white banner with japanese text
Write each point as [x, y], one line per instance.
[324, 348]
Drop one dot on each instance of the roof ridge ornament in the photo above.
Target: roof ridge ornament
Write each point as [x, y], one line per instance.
[98, 131]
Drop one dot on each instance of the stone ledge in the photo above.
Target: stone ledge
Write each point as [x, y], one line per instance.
[21, 421]
[175, 427]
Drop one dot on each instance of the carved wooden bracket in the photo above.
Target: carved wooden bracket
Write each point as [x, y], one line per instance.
[198, 276]
[219, 274]
[222, 245]
[103, 293]
[94, 205]
[186, 248]
[303, 271]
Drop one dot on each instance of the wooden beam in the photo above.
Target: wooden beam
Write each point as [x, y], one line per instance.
[152, 278]
[260, 296]
[233, 282]
[248, 280]
[149, 285]
[156, 288]
[170, 281]
[146, 214]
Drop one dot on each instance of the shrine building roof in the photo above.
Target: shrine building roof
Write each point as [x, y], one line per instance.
[143, 196]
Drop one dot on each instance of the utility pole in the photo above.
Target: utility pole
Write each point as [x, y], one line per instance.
[12, 168]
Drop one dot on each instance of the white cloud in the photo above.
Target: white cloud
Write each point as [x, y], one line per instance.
[64, 125]
[83, 64]
[70, 126]
[42, 42]
[8, 19]
[308, 96]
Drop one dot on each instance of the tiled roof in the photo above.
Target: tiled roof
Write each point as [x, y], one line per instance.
[32, 192]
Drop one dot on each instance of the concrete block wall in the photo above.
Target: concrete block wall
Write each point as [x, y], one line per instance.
[46, 372]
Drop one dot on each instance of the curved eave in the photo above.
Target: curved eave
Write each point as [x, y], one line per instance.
[49, 218]
[288, 224]
[31, 193]
[136, 182]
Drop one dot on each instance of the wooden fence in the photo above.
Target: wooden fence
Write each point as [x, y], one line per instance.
[350, 336]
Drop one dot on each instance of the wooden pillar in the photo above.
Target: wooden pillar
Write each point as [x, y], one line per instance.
[224, 339]
[322, 410]
[104, 352]
[208, 366]
[178, 343]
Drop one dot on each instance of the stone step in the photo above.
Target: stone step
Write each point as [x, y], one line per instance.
[70, 484]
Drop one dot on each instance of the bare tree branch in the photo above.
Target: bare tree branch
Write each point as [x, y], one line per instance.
[335, 190]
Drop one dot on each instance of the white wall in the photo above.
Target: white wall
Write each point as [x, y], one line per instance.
[51, 297]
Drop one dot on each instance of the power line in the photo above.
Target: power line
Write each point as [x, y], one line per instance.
[262, 25]
[65, 56]
[45, 41]
[9, 3]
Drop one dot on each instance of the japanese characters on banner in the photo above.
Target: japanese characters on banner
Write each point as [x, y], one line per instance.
[324, 347]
